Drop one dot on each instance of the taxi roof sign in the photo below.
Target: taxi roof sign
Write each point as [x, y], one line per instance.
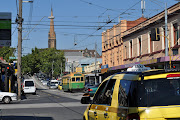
[139, 68]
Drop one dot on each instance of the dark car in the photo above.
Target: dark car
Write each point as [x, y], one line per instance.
[87, 86]
[92, 90]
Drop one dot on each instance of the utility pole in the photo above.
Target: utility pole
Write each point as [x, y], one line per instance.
[142, 7]
[166, 40]
[52, 69]
[20, 20]
[95, 61]
[61, 68]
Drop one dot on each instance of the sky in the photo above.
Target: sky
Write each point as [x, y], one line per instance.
[76, 21]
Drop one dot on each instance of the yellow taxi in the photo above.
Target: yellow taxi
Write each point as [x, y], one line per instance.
[137, 94]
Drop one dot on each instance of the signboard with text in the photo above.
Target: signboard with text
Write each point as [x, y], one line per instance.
[5, 29]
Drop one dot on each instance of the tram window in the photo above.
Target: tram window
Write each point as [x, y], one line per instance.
[73, 79]
[82, 79]
[78, 79]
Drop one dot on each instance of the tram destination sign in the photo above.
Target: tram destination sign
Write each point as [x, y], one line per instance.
[5, 29]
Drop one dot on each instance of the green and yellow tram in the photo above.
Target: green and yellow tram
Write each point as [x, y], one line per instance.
[73, 81]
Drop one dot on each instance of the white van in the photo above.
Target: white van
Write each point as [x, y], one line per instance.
[29, 86]
[53, 84]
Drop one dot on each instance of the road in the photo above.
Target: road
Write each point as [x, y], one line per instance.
[45, 105]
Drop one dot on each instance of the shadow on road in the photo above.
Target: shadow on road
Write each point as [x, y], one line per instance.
[23, 96]
[25, 118]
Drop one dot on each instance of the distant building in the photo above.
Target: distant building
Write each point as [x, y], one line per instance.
[52, 34]
[73, 58]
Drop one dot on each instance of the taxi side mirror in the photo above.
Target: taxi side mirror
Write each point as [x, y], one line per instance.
[86, 100]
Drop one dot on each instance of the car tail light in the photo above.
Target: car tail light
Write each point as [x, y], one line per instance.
[89, 89]
[133, 116]
[173, 75]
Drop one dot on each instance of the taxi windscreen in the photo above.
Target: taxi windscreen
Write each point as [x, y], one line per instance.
[154, 92]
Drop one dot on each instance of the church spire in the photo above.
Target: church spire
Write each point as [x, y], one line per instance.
[52, 34]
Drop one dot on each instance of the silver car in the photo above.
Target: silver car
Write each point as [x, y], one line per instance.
[53, 85]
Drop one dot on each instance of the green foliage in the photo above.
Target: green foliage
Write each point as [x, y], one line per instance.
[44, 60]
[7, 52]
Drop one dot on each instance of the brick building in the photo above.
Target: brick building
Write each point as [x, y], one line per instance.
[132, 44]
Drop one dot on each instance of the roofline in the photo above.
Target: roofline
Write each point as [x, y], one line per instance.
[148, 21]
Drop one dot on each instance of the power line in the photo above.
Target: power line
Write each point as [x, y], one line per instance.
[110, 21]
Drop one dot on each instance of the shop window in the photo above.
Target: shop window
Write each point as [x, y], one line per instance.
[175, 51]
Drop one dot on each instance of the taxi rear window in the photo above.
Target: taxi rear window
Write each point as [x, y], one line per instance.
[154, 92]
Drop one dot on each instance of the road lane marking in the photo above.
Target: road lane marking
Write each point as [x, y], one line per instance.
[42, 105]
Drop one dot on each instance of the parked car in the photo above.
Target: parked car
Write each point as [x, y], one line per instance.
[92, 90]
[44, 82]
[53, 84]
[87, 86]
[7, 97]
[29, 86]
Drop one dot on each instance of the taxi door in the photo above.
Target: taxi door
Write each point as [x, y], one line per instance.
[101, 106]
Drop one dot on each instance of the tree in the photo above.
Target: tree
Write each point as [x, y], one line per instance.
[52, 59]
[44, 60]
[7, 52]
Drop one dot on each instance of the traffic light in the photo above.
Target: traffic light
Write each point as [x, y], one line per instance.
[9, 70]
[155, 36]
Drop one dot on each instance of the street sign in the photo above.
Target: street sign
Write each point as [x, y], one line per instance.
[5, 29]
[12, 57]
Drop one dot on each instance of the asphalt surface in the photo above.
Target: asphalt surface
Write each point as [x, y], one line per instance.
[45, 105]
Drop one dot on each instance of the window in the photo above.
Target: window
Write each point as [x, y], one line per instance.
[73, 79]
[127, 93]
[125, 52]
[82, 79]
[151, 43]
[175, 33]
[104, 93]
[29, 83]
[139, 41]
[78, 79]
[159, 92]
[175, 51]
[130, 44]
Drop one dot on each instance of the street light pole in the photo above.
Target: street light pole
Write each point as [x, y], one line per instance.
[52, 69]
[95, 61]
[20, 20]
[166, 40]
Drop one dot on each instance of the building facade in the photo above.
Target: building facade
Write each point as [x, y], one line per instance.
[74, 58]
[137, 47]
[112, 43]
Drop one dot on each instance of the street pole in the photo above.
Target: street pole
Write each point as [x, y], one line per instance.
[61, 68]
[166, 40]
[95, 61]
[52, 69]
[19, 49]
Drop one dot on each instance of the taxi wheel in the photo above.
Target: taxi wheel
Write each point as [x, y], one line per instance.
[6, 100]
